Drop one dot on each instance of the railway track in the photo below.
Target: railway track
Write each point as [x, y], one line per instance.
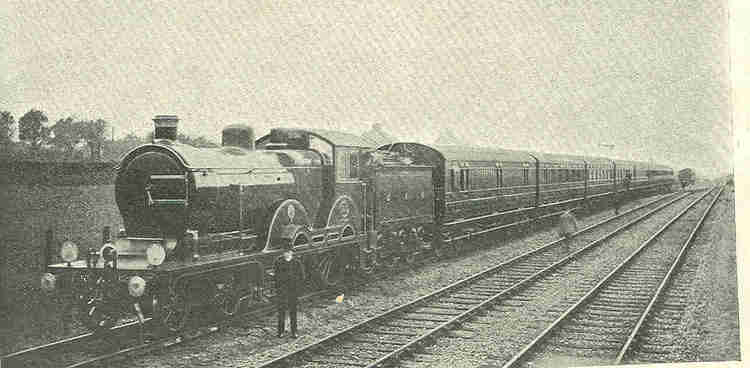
[120, 342]
[652, 341]
[404, 330]
[133, 338]
[603, 325]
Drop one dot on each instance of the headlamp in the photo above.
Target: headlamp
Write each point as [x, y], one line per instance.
[155, 254]
[69, 251]
[136, 286]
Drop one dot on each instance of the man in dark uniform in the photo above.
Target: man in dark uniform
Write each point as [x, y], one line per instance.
[566, 228]
[289, 283]
[623, 196]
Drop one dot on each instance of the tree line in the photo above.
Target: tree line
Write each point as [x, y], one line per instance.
[69, 139]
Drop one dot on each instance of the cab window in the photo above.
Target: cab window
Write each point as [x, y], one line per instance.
[347, 163]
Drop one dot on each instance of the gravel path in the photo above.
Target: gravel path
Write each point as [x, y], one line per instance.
[255, 341]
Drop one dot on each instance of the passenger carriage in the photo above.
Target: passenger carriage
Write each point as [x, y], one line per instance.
[482, 189]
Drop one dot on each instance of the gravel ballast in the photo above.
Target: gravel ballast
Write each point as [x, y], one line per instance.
[709, 327]
[515, 323]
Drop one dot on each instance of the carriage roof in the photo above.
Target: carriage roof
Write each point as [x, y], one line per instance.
[486, 154]
[461, 153]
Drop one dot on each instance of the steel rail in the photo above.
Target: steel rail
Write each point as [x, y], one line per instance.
[663, 285]
[199, 332]
[163, 342]
[132, 327]
[495, 298]
[557, 322]
[78, 339]
[418, 341]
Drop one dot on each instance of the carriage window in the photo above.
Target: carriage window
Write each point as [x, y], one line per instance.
[453, 180]
[347, 163]
[464, 179]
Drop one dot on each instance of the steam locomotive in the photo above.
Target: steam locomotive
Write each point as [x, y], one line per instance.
[202, 226]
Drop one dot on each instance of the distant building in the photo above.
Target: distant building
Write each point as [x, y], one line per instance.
[378, 136]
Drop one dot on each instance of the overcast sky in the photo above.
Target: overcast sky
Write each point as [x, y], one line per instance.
[650, 77]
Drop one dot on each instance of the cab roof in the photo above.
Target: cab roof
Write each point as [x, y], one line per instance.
[333, 137]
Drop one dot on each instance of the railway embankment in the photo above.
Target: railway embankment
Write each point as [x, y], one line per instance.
[710, 327]
[75, 201]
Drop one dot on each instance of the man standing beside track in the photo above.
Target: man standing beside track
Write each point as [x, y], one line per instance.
[622, 196]
[290, 278]
[626, 185]
[567, 228]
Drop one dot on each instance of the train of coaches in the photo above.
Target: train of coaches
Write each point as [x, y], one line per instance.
[203, 226]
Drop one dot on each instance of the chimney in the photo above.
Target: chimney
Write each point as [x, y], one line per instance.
[165, 127]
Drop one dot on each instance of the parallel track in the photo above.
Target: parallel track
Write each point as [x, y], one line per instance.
[127, 339]
[603, 324]
[666, 304]
[387, 338]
